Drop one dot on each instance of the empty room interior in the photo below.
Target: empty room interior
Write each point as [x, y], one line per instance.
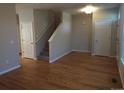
[62, 46]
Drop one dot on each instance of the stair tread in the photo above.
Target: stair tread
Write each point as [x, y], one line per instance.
[45, 53]
[45, 58]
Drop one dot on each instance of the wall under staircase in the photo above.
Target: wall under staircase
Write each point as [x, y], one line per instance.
[60, 41]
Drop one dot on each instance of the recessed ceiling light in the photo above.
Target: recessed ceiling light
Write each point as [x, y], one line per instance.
[88, 9]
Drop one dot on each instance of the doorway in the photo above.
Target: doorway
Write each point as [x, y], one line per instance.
[27, 40]
[102, 37]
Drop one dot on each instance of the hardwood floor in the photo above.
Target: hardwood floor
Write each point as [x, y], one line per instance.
[74, 71]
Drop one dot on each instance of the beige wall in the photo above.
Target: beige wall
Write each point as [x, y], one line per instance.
[9, 44]
[81, 32]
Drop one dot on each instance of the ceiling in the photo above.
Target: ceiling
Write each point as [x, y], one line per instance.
[68, 7]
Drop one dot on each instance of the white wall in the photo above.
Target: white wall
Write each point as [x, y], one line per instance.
[60, 42]
[81, 32]
[9, 44]
[111, 14]
[120, 65]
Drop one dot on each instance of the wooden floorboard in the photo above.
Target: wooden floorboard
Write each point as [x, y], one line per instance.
[73, 71]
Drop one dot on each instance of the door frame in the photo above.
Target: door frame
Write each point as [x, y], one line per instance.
[34, 45]
[118, 40]
[93, 35]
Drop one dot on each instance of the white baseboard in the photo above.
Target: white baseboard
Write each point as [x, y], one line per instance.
[11, 69]
[85, 51]
[51, 61]
[93, 54]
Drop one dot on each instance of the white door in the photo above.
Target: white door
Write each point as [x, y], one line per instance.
[27, 40]
[102, 37]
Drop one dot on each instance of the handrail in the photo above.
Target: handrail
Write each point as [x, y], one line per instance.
[45, 30]
[53, 35]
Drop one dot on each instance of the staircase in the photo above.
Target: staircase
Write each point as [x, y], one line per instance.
[44, 55]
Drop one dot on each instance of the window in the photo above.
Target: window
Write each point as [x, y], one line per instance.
[122, 47]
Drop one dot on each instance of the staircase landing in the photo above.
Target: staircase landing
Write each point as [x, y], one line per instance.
[44, 58]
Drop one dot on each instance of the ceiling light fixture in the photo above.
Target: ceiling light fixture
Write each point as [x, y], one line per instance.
[88, 9]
